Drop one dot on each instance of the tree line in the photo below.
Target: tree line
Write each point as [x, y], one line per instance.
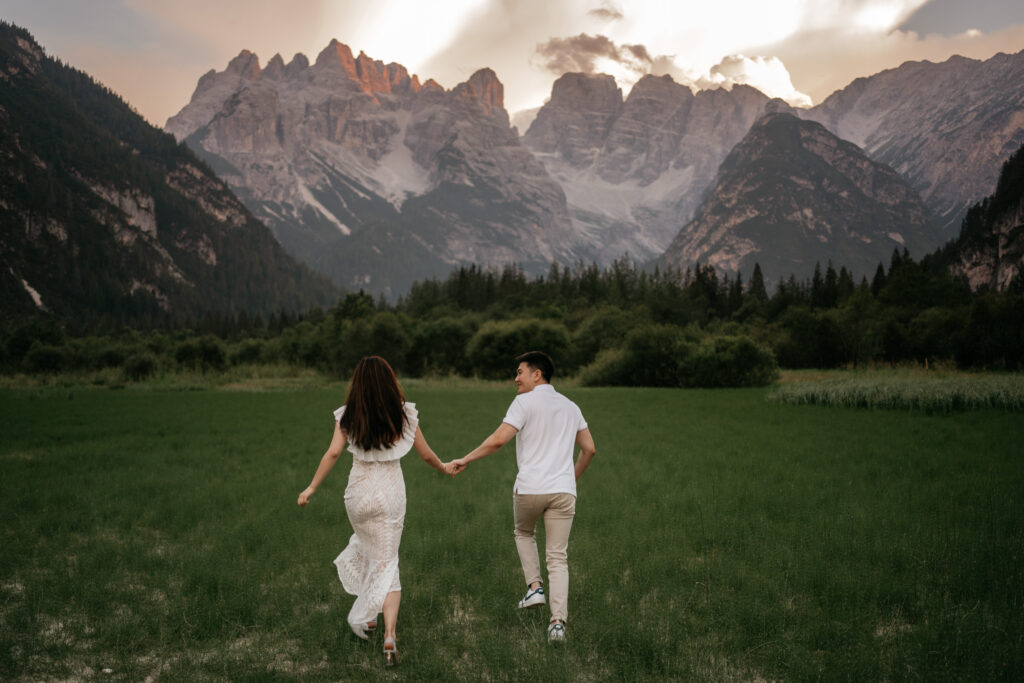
[615, 325]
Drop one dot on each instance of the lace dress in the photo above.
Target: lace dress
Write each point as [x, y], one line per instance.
[375, 502]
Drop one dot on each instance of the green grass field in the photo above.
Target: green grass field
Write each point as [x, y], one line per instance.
[719, 536]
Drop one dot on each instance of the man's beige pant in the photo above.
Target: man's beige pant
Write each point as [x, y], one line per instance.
[558, 510]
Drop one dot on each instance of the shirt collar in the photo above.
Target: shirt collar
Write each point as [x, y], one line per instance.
[546, 387]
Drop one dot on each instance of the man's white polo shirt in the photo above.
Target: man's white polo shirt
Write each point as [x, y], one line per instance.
[547, 424]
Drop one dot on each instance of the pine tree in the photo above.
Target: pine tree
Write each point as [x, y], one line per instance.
[756, 288]
[878, 283]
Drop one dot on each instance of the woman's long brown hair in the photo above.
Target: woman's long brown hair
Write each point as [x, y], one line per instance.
[374, 415]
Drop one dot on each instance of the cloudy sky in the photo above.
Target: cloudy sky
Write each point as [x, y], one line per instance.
[152, 52]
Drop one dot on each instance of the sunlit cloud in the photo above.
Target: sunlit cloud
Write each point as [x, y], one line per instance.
[628, 63]
[767, 74]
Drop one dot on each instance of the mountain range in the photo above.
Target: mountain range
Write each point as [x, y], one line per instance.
[372, 177]
[105, 218]
[377, 180]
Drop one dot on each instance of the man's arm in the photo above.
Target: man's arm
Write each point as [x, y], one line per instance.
[586, 443]
[501, 436]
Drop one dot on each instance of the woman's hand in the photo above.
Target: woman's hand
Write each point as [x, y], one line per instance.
[306, 495]
[448, 468]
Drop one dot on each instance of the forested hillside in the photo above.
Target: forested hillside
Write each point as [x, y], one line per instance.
[106, 220]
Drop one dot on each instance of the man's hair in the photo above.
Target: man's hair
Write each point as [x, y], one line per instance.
[538, 360]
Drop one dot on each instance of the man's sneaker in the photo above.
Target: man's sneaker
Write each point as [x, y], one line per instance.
[533, 598]
[556, 632]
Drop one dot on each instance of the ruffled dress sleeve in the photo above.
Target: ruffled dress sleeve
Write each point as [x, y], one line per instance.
[397, 449]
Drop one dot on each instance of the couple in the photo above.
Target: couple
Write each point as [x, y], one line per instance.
[380, 427]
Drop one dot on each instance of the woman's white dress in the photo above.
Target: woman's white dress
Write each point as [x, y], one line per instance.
[375, 502]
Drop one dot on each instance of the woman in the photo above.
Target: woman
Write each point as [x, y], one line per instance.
[380, 428]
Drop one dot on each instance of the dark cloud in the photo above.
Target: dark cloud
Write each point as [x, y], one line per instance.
[606, 13]
[640, 52]
[579, 53]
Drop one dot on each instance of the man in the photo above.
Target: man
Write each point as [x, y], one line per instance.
[546, 425]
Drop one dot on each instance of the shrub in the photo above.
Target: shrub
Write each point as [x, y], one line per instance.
[22, 339]
[380, 335]
[650, 357]
[203, 353]
[729, 361]
[46, 358]
[439, 346]
[247, 351]
[111, 357]
[605, 329]
[492, 350]
[662, 356]
[608, 369]
[140, 366]
[810, 340]
[934, 332]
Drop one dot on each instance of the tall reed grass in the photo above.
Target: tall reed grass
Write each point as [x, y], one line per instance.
[915, 393]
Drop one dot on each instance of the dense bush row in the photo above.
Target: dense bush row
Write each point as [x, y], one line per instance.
[653, 355]
[619, 326]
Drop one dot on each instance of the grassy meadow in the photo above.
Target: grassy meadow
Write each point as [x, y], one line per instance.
[151, 533]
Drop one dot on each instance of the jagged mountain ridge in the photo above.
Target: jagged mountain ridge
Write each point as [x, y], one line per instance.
[644, 165]
[634, 170]
[106, 218]
[371, 177]
[353, 176]
[945, 127]
[791, 195]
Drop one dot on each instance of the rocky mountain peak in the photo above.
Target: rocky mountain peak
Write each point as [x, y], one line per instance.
[484, 88]
[661, 87]
[577, 118]
[791, 194]
[298, 64]
[275, 68]
[246, 65]
[337, 55]
[372, 76]
[597, 92]
[25, 56]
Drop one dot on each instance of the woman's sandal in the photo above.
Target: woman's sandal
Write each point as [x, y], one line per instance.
[390, 652]
[371, 626]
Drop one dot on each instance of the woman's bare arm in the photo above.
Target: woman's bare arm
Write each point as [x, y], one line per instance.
[338, 442]
[427, 453]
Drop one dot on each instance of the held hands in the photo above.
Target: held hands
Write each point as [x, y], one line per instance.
[453, 467]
